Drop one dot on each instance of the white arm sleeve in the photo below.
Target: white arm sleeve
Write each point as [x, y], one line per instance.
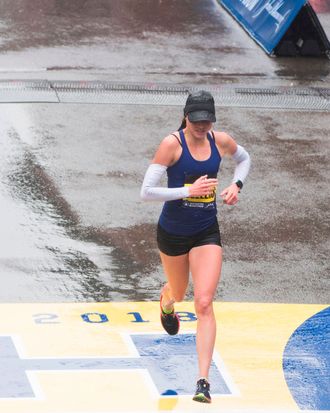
[243, 163]
[151, 192]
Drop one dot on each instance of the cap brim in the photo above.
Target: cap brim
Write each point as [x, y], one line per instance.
[201, 115]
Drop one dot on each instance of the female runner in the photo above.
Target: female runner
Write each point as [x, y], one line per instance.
[188, 234]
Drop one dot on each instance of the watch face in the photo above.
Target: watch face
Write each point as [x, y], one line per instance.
[239, 184]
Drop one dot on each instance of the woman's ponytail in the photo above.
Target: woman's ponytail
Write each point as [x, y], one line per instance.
[183, 124]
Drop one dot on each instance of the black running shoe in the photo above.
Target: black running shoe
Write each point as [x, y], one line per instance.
[202, 394]
[170, 322]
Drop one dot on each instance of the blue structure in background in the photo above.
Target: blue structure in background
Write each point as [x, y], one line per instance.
[265, 20]
[306, 363]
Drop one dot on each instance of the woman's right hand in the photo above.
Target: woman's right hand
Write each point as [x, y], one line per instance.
[203, 186]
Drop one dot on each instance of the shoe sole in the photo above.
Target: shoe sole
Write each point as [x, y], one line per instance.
[201, 398]
[170, 332]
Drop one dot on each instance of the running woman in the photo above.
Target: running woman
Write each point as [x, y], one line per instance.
[188, 233]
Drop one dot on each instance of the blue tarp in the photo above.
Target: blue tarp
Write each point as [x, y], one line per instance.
[265, 20]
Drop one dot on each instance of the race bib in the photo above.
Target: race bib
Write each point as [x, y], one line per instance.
[205, 201]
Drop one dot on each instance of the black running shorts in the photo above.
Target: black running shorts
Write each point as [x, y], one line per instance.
[174, 245]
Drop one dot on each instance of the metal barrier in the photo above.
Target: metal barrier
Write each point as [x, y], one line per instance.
[98, 92]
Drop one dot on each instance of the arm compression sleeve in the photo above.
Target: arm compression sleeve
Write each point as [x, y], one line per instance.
[243, 162]
[151, 192]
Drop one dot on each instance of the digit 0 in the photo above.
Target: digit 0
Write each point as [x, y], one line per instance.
[94, 318]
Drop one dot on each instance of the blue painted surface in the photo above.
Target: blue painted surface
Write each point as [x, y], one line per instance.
[265, 20]
[306, 363]
[172, 363]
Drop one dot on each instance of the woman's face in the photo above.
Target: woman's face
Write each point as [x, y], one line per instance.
[198, 130]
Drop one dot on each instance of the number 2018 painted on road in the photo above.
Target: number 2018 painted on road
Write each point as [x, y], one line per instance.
[98, 318]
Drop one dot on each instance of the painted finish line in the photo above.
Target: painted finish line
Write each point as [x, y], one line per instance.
[115, 357]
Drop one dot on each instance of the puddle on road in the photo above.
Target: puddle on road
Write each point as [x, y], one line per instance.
[64, 23]
[98, 264]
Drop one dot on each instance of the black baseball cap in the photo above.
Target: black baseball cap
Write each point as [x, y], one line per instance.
[200, 107]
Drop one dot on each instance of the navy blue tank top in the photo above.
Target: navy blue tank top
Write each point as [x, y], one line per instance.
[191, 215]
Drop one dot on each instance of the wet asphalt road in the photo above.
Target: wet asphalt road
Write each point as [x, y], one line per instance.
[173, 41]
[73, 226]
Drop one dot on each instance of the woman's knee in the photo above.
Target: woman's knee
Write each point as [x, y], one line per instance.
[203, 306]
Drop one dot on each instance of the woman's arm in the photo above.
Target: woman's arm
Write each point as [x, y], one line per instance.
[150, 191]
[167, 154]
[164, 157]
[228, 147]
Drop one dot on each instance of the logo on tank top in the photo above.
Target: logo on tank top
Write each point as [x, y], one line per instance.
[205, 201]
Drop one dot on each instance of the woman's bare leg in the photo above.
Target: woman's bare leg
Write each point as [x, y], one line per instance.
[177, 273]
[205, 266]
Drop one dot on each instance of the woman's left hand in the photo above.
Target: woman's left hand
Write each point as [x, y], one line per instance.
[230, 194]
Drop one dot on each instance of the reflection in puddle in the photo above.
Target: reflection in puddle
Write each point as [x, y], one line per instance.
[95, 264]
[84, 22]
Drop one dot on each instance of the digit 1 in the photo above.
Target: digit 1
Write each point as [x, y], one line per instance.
[138, 318]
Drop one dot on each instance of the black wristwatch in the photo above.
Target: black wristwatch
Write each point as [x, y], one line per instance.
[239, 184]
